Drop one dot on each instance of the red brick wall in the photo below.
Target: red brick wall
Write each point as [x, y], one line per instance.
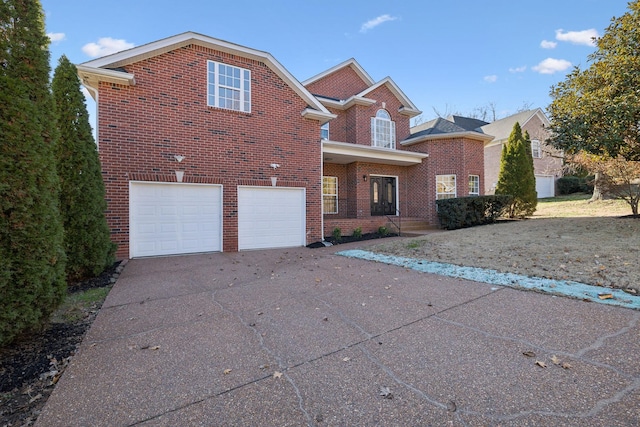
[341, 84]
[549, 164]
[551, 161]
[461, 157]
[142, 127]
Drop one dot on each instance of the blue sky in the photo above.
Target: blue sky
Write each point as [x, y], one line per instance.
[447, 56]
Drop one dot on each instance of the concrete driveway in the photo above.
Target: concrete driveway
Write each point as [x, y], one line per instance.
[304, 337]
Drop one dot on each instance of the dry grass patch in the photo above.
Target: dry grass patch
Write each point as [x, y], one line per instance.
[567, 239]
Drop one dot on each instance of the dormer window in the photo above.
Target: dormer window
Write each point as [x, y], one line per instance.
[383, 130]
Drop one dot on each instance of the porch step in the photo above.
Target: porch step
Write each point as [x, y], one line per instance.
[414, 227]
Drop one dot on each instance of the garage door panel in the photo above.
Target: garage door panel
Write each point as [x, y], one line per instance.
[270, 217]
[169, 219]
[545, 186]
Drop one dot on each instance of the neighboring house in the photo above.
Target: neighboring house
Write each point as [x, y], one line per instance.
[210, 146]
[547, 161]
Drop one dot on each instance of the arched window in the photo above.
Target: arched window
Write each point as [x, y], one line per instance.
[383, 130]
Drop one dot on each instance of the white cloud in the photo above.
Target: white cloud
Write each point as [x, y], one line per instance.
[584, 37]
[56, 37]
[546, 44]
[518, 69]
[551, 66]
[491, 79]
[106, 46]
[372, 23]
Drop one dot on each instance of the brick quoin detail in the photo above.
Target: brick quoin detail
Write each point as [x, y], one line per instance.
[142, 127]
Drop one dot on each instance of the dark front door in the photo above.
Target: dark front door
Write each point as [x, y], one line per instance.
[383, 195]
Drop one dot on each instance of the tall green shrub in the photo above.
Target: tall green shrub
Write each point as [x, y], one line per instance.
[516, 176]
[31, 250]
[82, 203]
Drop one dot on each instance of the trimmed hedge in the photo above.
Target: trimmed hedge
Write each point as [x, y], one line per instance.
[465, 212]
[574, 184]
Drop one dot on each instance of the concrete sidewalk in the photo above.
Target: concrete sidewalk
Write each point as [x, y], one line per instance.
[303, 337]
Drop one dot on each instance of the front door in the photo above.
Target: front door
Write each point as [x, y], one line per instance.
[383, 195]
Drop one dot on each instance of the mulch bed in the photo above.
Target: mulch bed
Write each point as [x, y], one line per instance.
[31, 366]
[350, 239]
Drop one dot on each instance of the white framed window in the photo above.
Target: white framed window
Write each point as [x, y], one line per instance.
[330, 194]
[445, 187]
[474, 185]
[536, 149]
[324, 131]
[228, 87]
[383, 130]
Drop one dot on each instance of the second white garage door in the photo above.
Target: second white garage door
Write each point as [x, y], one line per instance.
[545, 186]
[271, 217]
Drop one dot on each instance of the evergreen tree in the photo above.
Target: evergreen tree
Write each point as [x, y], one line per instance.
[31, 236]
[516, 176]
[82, 204]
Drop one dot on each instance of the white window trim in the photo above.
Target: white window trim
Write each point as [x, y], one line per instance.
[475, 193]
[215, 84]
[335, 195]
[376, 136]
[323, 128]
[537, 152]
[446, 193]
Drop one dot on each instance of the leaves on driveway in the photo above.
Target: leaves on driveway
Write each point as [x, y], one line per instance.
[386, 393]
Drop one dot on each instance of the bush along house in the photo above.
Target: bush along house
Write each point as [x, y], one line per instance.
[211, 146]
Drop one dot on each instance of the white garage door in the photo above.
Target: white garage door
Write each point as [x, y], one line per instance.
[545, 186]
[172, 218]
[271, 217]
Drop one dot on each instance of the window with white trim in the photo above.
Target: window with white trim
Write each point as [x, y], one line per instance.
[445, 187]
[330, 194]
[536, 149]
[474, 185]
[383, 130]
[228, 87]
[324, 131]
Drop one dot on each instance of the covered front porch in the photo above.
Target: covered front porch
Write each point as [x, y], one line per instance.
[369, 187]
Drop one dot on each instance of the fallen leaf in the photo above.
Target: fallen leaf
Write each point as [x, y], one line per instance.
[451, 406]
[346, 359]
[529, 353]
[36, 397]
[605, 296]
[555, 360]
[226, 371]
[386, 393]
[541, 364]
[263, 366]
[277, 374]
[155, 347]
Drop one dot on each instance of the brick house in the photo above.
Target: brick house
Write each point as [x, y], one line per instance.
[210, 146]
[547, 161]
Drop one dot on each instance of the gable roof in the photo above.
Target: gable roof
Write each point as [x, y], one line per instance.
[105, 68]
[502, 128]
[408, 108]
[348, 63]
[441, 128]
